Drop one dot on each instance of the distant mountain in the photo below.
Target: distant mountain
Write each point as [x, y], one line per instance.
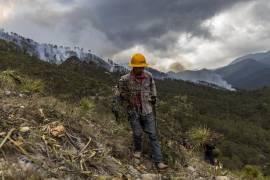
[58, 54]
[157, 74]
[248, 72]
[261, 57]
[265, 60]
[240, 69]
[203, 77]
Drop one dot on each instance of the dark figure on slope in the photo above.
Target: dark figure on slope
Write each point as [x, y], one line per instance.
[211, 153]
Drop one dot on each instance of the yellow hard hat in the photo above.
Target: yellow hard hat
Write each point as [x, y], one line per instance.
[138, 60]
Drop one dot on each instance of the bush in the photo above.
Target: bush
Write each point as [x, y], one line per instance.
[252, 172]
[199, 136]
[10, 80]
[7, 80]
[33, 86]
[87, 105]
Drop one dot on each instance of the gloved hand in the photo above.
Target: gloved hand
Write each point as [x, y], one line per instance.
[153, 100]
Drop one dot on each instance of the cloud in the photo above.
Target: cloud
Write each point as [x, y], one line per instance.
[153, 25]
[176, 67]
[5, 11]
[193, 33]
[240, 30]
[146, 22]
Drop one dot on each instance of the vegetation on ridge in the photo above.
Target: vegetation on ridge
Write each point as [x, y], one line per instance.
[242, 118]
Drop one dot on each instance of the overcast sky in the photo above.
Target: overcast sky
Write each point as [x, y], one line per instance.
[173, 34]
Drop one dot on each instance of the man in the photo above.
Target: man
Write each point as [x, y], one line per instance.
[138, 89]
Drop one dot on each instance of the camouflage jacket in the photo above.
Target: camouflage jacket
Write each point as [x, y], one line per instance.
[129, 87]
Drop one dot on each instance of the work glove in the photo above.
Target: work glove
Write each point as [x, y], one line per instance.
[153, 100]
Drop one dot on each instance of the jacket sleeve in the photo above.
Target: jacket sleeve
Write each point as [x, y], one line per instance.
[153, 88]
[123, 88]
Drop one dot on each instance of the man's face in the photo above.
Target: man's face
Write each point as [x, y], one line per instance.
[138, 70]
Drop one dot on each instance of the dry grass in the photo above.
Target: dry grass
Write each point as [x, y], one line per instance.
[86, 145]
[13, 80]
[32, 86]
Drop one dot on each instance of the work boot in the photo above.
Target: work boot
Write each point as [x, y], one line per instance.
[161, 166]
[137, 154]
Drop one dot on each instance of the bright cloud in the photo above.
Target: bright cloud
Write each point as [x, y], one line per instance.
[193, 34]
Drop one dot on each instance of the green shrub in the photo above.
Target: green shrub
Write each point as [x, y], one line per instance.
[87, 105]
[33, 86]
[10, 80]
[199, 136]
[7, 80]
[252, 172]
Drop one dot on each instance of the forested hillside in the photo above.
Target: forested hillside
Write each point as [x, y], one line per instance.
[240, 118]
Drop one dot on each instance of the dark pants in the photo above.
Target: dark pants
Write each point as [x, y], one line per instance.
[146, 123]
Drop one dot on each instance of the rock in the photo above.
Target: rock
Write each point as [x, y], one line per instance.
[24, 129]
[11, 116]
[7, 93]
[41, 113]
[137, 161]
[191, 169]
[222, 178]
[26, 164]
[151, 177]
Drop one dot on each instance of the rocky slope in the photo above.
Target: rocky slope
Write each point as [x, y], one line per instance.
[43, 138]
[56, 122]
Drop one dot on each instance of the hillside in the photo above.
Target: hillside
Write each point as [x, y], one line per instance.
[260, 57]
[246, 74]
[56, 123]
[50, 138]
[77, 96]
[203, 75]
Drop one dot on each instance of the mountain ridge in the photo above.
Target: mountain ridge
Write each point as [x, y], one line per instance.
[256, 56]
[241, 74]
[58, 54]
